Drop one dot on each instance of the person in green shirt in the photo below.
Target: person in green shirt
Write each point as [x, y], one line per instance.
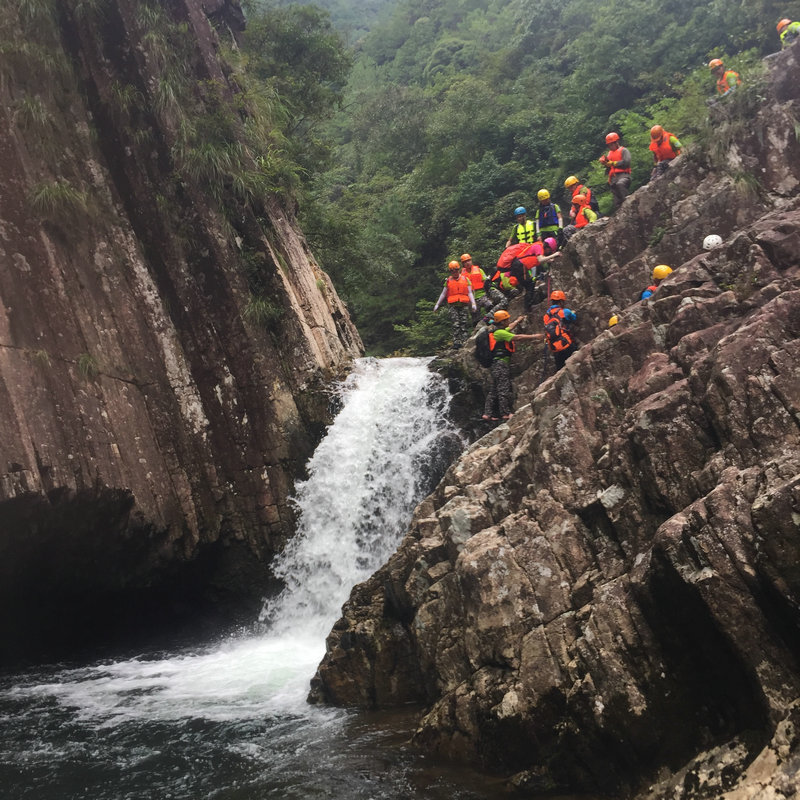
[548, 218]
[524, 230]
[788, 31]
[502, 343]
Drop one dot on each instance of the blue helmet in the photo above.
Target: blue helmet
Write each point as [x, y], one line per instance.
[519, 210]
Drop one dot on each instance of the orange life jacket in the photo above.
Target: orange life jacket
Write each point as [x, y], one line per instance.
[722, 83]
[663, 149]
[510, 347]
[613, 155]
[557, 336]
[580, 217]
[476, 277]
[457, 291]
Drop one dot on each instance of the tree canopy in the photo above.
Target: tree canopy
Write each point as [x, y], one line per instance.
[456, 111]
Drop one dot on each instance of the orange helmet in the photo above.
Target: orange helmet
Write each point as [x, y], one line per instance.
[466, 257]
[499, 316]
[782, 24]
[557, 295]
[714, 63]
[656, 132]
[454, 265]
[612, 137]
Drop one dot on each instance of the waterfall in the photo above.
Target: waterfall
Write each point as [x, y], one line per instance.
[364, 481]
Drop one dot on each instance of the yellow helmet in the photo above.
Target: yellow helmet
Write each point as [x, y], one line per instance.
[571, 181]
[543, 195]
[454, 265]
[661, 271]
[613, 321]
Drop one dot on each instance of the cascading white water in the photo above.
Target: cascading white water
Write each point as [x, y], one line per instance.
[364, 481]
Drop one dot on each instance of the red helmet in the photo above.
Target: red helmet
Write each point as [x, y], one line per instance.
[557, 295]
[612, 137]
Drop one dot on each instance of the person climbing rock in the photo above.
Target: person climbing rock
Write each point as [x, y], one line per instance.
[458, 293]
[524, 230]
[788, 31]
[502, 343]
[665, 148]
[579, 194]
[618, 164]
[727, 79]
[659, 273]
[487, 297]
[549, 222]
[557, 321]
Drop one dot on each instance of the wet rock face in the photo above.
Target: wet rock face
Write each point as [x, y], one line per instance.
[133, 379]
[607, 586]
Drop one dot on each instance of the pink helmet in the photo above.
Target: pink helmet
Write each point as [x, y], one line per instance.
[551, 243]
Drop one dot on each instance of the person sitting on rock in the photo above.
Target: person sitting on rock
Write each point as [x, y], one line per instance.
[727, 79]
[584, 216]
[557, 322]
[665, 148]
[458, 293]
[502, 343]
[487, 297]
[788, 31]
[659, 273]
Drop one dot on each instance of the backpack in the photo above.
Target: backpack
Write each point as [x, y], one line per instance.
[557, 336]
[483, 350]
[509, 254]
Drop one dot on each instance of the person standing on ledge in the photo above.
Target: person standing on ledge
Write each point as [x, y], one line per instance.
[458, 293]
[618, 164]
[503, 344]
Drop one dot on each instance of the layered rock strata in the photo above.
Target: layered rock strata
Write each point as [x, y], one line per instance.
[604, 592]
[151, 420]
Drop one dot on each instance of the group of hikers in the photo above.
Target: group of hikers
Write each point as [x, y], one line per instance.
[523, 266]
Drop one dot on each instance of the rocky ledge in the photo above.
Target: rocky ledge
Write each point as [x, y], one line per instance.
[602, 594]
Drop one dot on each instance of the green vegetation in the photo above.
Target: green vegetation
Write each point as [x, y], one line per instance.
[262, 312]
[459, 110]
[59, 202]
[87, 366]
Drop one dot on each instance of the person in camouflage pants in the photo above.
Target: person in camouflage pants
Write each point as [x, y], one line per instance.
[458, 293]
[503, 344]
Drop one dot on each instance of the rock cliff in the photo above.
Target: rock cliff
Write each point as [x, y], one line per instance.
[603, 594]
[166, 336]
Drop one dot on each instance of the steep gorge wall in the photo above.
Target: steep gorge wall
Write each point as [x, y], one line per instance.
[604, 591]
[150, 429]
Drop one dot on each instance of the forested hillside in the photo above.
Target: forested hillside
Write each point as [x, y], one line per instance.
[456, 111]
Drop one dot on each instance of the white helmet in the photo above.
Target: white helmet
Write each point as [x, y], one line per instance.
[711, 241]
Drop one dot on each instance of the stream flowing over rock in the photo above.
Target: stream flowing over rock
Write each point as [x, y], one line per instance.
[602, 594]
[150, 428]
